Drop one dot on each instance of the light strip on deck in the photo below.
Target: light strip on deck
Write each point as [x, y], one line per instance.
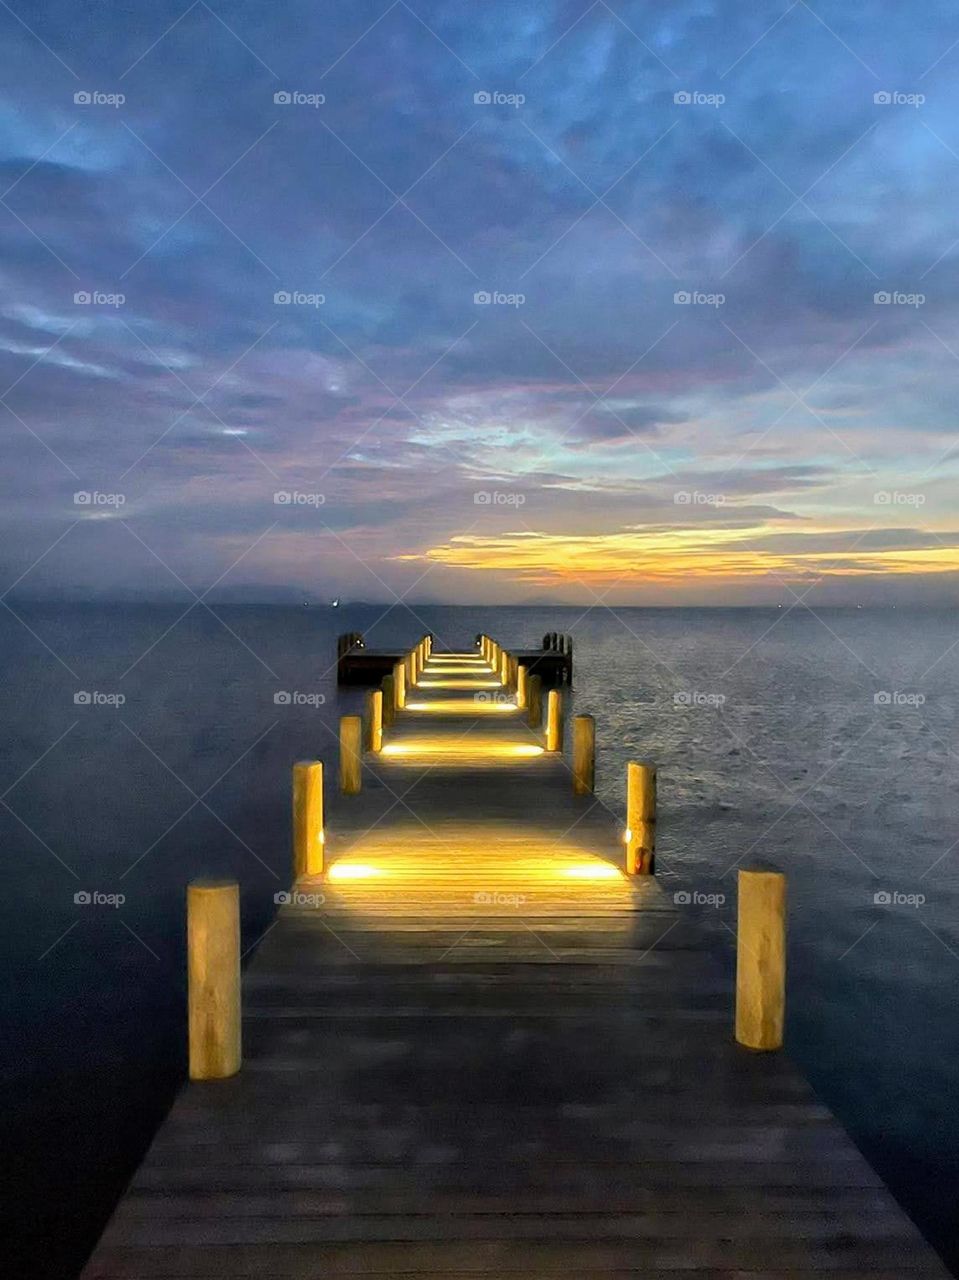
[461, 706]
[468, 747]
[593, 871]
[461, 684]
[460, 671]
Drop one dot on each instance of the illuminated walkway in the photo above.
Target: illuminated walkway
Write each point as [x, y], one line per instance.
[475, 1048]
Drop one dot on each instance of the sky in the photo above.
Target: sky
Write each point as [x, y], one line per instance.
[486, 301]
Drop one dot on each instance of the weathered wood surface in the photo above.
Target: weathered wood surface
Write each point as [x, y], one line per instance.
[491, 1054]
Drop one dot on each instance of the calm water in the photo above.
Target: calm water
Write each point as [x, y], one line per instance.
[770, 744]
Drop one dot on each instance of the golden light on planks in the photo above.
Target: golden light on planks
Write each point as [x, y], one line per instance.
[461, 707]
[593, 871]
[467, 876]
[353, 871]
[458, 684]
[450, 670]
[468, 748]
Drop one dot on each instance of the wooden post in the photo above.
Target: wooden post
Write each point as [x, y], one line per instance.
[351, 760]
[368, 721]
[412, 675]
[213, 978]
[554, 721]
[640, 818]
[521, 687]
[399, 686]
[761, 960]
[389, 701]
[504, 667]
[534, 697]
[307, 819]
[376, 720]
[584, 755]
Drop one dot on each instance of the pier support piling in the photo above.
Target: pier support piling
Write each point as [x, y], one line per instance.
[351, 759]
[761, 959]
[522, 686]
[554, 721]
[584, 755]
[640, 818]
[307, 819]
[213, 978]
[375, 710]
[399, 686]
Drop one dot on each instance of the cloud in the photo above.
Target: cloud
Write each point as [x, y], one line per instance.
[597, 397]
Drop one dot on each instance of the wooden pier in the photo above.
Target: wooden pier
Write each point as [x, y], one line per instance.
[473, 1045]
[358, 665]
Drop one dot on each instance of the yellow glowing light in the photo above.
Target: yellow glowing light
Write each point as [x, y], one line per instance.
[465, 747]
[627, 836]
[460, 706]
[462, 684]
[353, 870]
[592, 871]
[461, 671]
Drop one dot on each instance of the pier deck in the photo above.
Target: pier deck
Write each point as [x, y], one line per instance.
[473, 1047]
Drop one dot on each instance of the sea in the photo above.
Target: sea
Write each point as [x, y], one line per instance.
[142, 745]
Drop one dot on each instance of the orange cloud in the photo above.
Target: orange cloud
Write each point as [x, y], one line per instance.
[674, 556]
